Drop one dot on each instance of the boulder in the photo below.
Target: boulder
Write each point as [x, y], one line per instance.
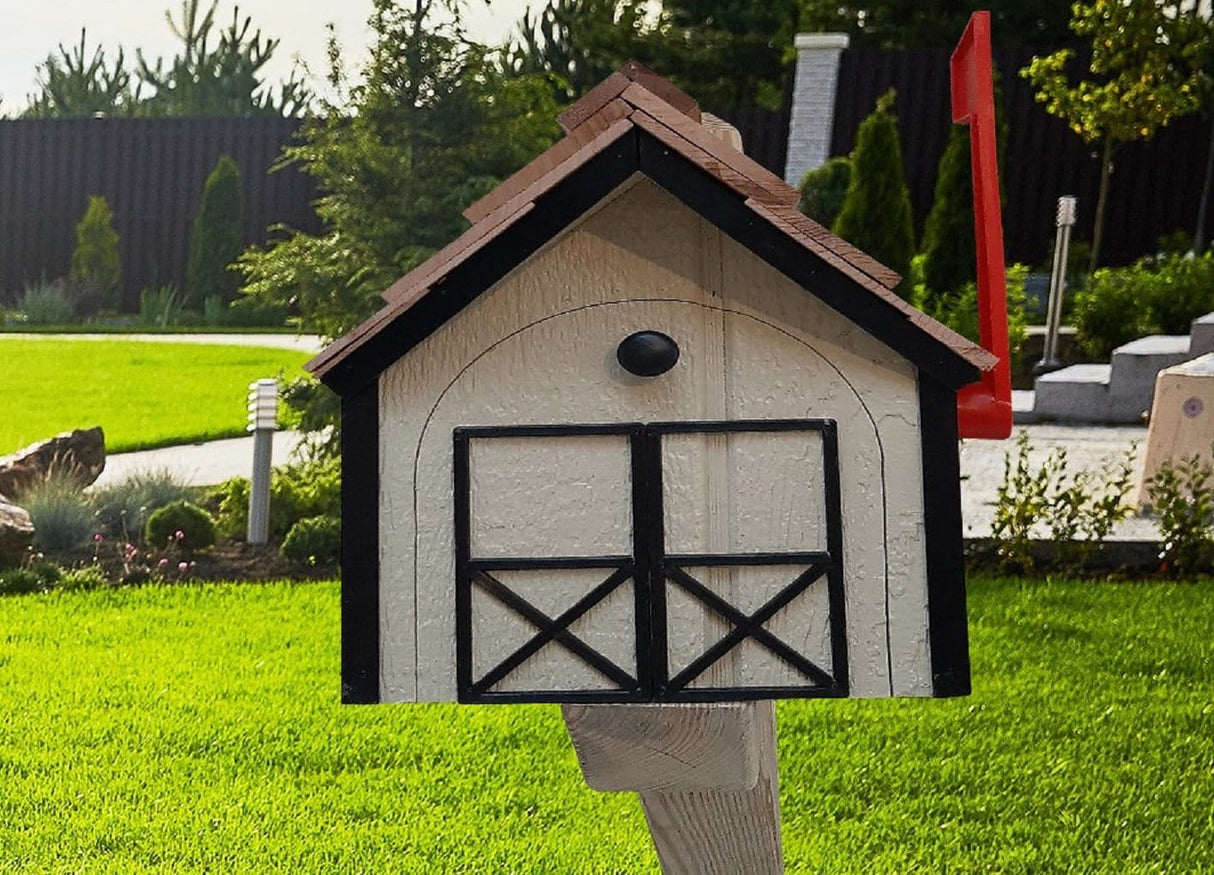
[16, 533]
[79, 454]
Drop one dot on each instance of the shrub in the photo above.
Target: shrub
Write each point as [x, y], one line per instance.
[122, 508]
[1153, 296]
[876, 214]
[88, 577]
[20, 581]
[959, 311]
[245, 312]
[1180, 289]
[1078, 508]
[47, 304]
[315, 540]
[822, 190]
[298, 490]
[1182, 497]
[60, 511]
[95, 265]
[215, 239]
[160, 306]
[182, 524]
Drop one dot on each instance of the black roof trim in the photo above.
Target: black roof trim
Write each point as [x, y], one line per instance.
[573, 196]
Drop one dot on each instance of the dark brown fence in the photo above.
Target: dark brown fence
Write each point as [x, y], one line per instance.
[151, 172]
[1155, 185]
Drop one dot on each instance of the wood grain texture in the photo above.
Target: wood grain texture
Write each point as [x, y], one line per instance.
[706, 832]
[700, 747]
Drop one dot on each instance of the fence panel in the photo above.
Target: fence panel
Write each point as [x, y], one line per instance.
[151, 172]
[1155, 188]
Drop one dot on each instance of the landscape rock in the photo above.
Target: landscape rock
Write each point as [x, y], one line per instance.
[16, 533]
[79, 453]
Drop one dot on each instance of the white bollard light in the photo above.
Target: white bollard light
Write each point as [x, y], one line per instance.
[263, 421]
[1065, 220]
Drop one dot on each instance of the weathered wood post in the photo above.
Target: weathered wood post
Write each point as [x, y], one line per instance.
[648, 443]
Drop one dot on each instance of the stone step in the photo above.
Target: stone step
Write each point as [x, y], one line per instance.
[1079, 393]
[1201, 337]
[1138, 361]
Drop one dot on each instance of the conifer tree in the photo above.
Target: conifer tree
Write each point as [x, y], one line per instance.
[95, 265]
[948, 234]
[876, 215]
[216, 239]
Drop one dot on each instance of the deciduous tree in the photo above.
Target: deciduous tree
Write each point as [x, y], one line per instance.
[1147, 68]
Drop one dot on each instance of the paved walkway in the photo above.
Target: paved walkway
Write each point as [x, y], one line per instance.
[198, 464]
[1088, 447]
[301, 342]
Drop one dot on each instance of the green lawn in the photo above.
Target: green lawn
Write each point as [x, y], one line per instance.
[195, 729]
[144, 394]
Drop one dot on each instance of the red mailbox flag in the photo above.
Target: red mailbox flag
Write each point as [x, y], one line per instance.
[984, 410]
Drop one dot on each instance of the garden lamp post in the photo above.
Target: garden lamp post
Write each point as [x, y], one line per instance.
[263, 420]
[1062, 244]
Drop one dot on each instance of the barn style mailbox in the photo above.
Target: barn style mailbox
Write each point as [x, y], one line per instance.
[645, 433]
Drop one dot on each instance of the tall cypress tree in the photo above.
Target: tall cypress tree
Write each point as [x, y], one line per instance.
[876, 215]
[948, 235]
[215, 240]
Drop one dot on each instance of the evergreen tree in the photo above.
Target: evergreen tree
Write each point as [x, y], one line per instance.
[949, 255]
[216, 240]
[220, 80]
[579, 42]
[727, 53]
[434, 125]
[823, 189]
[95, 266]
[79, 85]
[876, 214]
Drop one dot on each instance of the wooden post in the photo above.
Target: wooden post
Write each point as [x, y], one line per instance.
[707, 776]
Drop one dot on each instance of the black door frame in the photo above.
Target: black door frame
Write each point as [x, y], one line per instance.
[652, 570]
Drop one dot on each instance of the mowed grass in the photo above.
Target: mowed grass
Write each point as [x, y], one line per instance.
[144, 394]
[196, 729]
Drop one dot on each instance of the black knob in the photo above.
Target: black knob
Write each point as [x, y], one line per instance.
[647, 353]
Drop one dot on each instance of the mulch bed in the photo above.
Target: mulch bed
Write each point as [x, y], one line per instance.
[228, 560]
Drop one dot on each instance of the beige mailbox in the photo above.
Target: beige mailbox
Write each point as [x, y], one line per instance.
[645, 433]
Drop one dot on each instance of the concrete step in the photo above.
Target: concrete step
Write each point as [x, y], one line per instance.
[1079, 393]
[1201, 337]
[1138, 361]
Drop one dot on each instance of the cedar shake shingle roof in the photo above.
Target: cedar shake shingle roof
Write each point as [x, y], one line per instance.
[612, 129]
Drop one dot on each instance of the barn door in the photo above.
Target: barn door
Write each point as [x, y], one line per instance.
[598, 562]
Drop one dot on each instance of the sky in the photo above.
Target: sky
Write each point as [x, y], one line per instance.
[35, 28]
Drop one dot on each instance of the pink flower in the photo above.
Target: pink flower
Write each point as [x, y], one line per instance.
[182, 566]
[179, 535]
[162, 563]
[98, 538]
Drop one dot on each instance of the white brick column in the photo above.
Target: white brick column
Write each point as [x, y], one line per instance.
[813, 102]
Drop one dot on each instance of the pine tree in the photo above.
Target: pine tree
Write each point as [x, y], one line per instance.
[876, 214]
[433, 125]
[216, 239]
